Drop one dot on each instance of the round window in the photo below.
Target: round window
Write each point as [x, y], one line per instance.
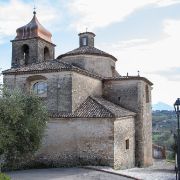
[40, 88]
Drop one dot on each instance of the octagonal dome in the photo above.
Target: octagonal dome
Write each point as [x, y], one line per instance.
[33, 29]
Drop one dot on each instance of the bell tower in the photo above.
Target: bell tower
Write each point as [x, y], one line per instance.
[32, 44]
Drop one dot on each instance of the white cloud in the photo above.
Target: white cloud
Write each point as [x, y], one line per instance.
[101, 13]
[151, 57]
[167, 2]
[16, 13]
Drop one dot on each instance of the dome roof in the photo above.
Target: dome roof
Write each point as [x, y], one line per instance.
[86, 47]
[87, 50]
[33, 29]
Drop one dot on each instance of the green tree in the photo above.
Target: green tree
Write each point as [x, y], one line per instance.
[23, 120]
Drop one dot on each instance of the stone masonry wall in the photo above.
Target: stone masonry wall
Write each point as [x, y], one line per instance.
[100, 65]
[17, 54]
[82, 87]
[69, 142]
[66, 90]
[36, 51]
[147, 130]
[124, 130]
[131, 94]
[59, 93]
[41, 45]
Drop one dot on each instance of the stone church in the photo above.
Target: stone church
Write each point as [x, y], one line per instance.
[97, 116]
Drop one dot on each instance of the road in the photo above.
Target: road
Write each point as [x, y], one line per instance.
[63, 174]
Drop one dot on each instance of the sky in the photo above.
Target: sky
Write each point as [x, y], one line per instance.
[144, 35]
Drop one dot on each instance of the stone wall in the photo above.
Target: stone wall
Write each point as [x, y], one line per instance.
[66, 90]
[69, 142]
[124, 132]
[82, 87]
[131, 94]
[103, 66]
[59, 92]
[41, 45]
[36, 51]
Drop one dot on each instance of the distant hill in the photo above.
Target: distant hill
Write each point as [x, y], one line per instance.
[162, 106]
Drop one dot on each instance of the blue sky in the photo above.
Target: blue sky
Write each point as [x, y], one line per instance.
[143, 34]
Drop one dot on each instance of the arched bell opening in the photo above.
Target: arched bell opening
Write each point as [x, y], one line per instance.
[46, 54]
[25, 51]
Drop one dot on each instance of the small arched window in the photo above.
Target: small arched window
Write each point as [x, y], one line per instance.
[40, 89]
[25, 51]
[46, 54]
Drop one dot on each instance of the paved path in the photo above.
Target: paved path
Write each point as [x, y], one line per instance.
[161, 170]
[63, 174]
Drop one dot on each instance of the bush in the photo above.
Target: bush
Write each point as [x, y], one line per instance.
[170, 155]
[4, 177]
[22, 123]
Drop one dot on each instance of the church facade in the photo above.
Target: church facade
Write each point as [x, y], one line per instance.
[97, 117]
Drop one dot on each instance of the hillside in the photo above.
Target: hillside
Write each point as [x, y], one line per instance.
[164, 126]
[160, 106]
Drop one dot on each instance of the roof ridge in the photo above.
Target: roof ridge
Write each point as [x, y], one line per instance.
[97, 107]
[62, 62]
[50, 66]
[80, 106]
[114, 104]
[86, 100]
[102, 105]
[128, 78]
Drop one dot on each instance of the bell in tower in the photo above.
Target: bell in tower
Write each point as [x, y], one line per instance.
[32, 44]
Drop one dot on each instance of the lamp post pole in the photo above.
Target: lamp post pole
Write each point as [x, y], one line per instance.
[177, 110]
[178, 149]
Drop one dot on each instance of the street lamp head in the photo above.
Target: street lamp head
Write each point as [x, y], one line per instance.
[177, 105]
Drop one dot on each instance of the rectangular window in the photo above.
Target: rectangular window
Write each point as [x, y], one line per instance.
[127, 143]
[84, 41]
[147, 94]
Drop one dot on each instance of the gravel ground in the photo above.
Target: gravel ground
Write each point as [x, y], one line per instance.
[161, 170]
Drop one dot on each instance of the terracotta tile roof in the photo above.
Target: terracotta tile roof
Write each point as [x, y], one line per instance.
[49, 66]
[87, 50]
[91, 108]
[96, 107]
[116, 110]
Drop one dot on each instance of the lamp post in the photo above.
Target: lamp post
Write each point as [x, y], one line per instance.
[177, 110]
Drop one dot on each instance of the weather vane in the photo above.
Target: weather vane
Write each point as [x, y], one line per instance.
[34, 12]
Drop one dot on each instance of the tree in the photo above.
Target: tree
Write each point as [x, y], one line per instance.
[1, 84]
[23, 120]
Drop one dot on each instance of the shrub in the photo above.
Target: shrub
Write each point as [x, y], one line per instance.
[4, 177]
